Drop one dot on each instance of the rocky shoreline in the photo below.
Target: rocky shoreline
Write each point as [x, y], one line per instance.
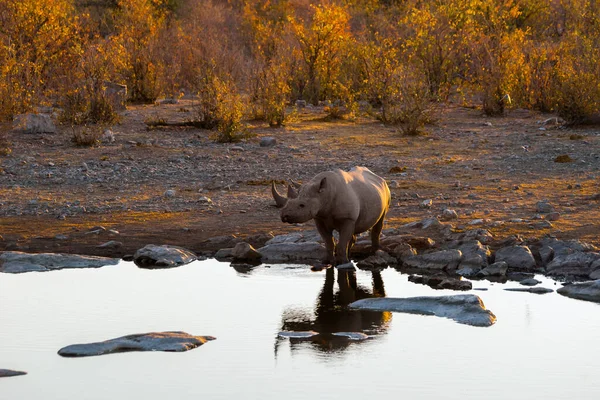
[432, 252]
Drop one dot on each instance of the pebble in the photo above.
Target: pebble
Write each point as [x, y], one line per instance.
[553, 216]
[267, 141]
[426, 203]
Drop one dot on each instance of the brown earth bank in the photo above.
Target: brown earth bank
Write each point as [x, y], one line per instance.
[175, 185]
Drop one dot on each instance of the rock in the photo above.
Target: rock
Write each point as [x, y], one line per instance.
[237, 148]
[5, 373]
[168, 100]
[535, 290]
[205, 201]
[17, 262]
[496, 269]
[244, 251]
[355, 336]
[423, 224]
[448, 215]
[268, 141]
[471, 266]
[300, 103]
[519, 276]
[165, 256]
[34, 123]
[547, 249]
[380, 259]
[481, 235]
[468, 270]
[116, 95]
[553, 216]
[108, 136]
[224, 254]
[516, 257]
[426, 203]
[290, 252]
[259, 239]
[595, 274]
[220, 242]
[430, 227]
[293, 237]
[478, 221]
[112, 244]
[440, 260]
[542, 225]
[420, 243]
[153, 341]
[475, 254]
[301, 335]
[464, 309]
[575, 264]
[529, 282]
[441, 282]
[544, 207]
[170, 193]
[403, 250]
[61, 236]
[589, 291]
[387, 242]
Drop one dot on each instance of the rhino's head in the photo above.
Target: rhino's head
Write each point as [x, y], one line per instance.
[303, 205]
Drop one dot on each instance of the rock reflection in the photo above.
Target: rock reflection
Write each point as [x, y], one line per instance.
[332, 316]
[244, 269]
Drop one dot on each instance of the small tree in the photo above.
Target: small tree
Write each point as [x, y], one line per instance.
[39, 44]
[219, 107]
[138, 23]
[270, 77]
[322, 44]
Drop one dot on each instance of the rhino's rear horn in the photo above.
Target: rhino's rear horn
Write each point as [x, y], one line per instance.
[280, 201]
[295, 184]
[292, 193]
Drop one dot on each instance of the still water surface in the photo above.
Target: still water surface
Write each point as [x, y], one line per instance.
[542, 346]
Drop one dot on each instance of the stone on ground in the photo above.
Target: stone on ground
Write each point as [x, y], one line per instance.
[165, 256]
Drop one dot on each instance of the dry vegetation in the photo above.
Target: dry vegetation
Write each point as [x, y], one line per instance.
[253, 57]
[372, 69]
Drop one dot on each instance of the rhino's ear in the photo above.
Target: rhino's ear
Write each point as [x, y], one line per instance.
[323, 185]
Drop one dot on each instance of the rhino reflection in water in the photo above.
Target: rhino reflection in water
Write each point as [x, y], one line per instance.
[331, 313]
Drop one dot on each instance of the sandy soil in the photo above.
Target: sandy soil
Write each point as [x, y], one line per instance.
[175, 185]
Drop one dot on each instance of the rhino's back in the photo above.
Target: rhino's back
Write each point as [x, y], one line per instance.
[365, 192]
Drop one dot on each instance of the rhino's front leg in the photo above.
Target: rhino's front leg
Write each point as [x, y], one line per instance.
[327, 236]
[344, 244]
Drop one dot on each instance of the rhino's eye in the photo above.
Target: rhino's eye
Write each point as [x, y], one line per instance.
[301, 205]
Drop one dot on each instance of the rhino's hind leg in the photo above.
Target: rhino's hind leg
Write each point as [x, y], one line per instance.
[327, 236]
[352, 242]
[376, 233]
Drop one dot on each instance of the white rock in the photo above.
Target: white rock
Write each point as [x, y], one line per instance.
[464, 309]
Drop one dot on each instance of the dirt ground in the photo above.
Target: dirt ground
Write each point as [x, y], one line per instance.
[175, 185]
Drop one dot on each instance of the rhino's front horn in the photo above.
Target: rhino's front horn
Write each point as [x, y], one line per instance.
[280, 201]
[292, 193]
